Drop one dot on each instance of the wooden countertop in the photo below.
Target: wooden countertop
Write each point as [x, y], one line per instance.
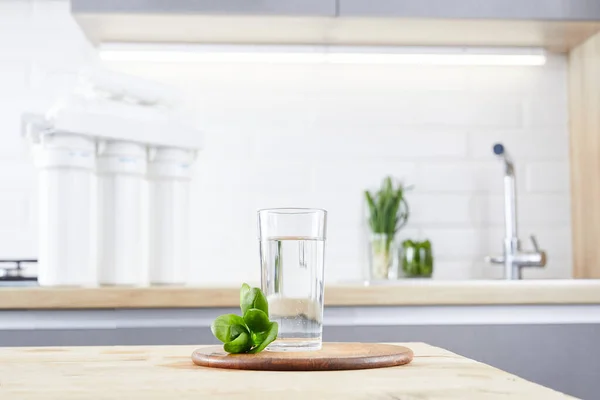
[166, 372]
[400, 293]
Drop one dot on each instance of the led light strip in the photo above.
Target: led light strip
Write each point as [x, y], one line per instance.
[296, 54]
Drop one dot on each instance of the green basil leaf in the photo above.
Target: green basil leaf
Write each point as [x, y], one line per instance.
[253, 298]
[261, 303]
[227, 327]
[237, 330]
[244, 292]
[256, 320]
[247, 299]
[258, 337]
[272, 335]
[241, 334]
[241, 344]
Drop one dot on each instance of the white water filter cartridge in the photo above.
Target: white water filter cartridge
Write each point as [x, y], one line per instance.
[169, 176]
[66, 231]
[121, 171]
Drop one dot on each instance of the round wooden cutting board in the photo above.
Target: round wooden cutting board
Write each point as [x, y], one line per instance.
[333, 356]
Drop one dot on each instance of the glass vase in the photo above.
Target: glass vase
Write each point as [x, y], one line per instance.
[381, 255]
[417, 259]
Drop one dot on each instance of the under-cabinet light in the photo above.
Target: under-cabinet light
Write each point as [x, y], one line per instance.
[301, 54]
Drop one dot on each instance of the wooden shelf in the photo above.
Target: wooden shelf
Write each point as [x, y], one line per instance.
[557, 36]
[408, 293]
[584, 109]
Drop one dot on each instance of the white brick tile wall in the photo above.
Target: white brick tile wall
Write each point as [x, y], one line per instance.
[487, 210]
[16, 209]
[440, 209]
[273, 199]
[14, 81]
[228, 143]
[17, 175]
[551, 143]
[554, 269]
[346, 254]
[354, 177]
[392, 79]
[551, 239]
[14, 15]
[482, 270]
[547, 209]
[456, 243]
[548, 177]
[542, 209]
[554, 240]
[432, 109]
[18, 243]
[539, 112]
[460, 176]
[350, 141]
[452, 270]
[318, 136]
[274, 176]
[523, 82]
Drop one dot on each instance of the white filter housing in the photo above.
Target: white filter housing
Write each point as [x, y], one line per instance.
[169, 176]
[91, 129]
[66, 178]
[121, 170]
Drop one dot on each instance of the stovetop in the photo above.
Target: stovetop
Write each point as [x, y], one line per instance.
[13, 272]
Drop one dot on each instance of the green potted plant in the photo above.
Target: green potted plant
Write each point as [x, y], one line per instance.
[388, 212]
[417, 259]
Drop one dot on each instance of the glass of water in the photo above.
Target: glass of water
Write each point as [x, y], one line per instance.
[292, 256]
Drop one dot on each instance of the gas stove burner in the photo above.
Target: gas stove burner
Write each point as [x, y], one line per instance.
[12, 270]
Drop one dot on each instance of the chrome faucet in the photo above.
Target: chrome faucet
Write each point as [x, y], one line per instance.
[514, 259]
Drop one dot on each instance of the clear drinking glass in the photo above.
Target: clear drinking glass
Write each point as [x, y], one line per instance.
[292, 256]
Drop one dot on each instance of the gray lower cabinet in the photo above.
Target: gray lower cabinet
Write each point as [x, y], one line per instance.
[312, 8]
[565, 357]
[557, 10]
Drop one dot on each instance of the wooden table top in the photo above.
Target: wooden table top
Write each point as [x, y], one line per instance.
[406, 292]
[167, 372]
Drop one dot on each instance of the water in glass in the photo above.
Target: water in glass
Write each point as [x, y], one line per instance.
[292, 274]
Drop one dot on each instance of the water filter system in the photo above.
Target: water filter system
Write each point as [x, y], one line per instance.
[66, 177]
[120, 171]
[114, 161]
[169, 177]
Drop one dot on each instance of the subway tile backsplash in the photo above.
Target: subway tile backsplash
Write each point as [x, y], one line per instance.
[317, 136]
[547, 177]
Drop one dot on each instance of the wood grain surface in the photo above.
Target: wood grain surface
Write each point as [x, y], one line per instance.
[165, 27]
[428, 292]
[166, 372]
[333, 356]
[584, 119]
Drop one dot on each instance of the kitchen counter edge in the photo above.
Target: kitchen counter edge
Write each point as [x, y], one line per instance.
[409, 293]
